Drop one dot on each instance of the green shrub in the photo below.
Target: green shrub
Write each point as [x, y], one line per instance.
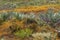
[51, 18]
[23, 33]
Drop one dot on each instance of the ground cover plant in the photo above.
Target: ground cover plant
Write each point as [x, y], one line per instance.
[30, 26]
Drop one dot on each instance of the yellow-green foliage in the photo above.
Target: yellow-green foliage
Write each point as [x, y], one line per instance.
[24, 32]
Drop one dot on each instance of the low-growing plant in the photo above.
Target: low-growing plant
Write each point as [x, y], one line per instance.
[51, 18]
[23, 33]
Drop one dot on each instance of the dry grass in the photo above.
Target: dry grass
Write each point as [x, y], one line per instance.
[33, 8]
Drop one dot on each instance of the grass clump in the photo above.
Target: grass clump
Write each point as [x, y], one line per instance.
[24, 33]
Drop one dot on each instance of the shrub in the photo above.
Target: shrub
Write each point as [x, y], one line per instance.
[23, 33]
[51, 18]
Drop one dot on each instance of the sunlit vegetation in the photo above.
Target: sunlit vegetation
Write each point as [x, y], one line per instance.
[27, 9]
[29, 19]
[24, 32]
[29, 25]
[11, 4]
[51, 18]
